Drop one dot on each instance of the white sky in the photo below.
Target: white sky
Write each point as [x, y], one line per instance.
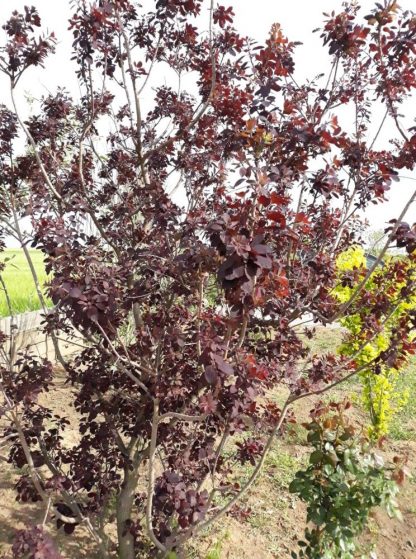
[297, 17]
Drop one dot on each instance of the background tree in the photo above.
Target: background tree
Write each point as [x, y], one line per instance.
[191, 310]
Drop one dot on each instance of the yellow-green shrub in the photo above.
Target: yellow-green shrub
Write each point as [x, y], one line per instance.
[381, 395]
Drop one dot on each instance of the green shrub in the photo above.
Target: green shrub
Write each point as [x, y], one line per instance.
[344, 481]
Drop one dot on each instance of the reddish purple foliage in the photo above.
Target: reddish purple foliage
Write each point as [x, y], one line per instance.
[34, 543]
[188, 310]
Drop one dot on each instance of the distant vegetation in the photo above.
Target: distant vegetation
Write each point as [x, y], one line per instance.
[19, 281]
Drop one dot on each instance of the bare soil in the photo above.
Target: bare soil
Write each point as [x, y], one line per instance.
[276, 519]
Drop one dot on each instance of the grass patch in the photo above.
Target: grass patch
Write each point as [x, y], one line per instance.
[403, 427]
[19, 281]
[296, 434]
[281, 466]
[208, 547]
[215, 552]
[327, 340]
[270, 502]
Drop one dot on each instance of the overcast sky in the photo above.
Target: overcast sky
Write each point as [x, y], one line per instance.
[253, 17]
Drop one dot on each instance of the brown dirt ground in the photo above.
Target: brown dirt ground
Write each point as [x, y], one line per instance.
[275, 533]
[274, 526]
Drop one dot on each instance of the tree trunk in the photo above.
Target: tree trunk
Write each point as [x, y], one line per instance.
[124, 507]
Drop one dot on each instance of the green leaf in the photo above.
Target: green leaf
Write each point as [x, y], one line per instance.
[296, 486]
[328, 469]
[316, 457]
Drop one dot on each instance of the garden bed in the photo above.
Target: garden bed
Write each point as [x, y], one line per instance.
[276, 518]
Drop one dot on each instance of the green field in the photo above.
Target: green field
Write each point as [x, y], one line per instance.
[19, 281]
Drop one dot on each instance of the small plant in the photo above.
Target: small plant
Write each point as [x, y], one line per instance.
[215, 552]
[344, 481]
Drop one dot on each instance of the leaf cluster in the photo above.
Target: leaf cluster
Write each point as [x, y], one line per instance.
[390, 291]
[344, 481]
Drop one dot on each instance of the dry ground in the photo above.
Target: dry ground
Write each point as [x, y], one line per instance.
[277, 518]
